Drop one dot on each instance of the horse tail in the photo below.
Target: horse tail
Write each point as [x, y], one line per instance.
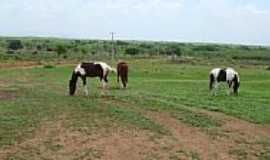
[211, 81]
[118, 73]
[236, 83]
[73, 83]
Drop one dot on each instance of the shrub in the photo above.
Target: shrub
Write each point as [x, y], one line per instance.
[121, 43]
[243, 47]
[60, 49]
[132, 51]
[210, 48]
[50, 49]
[84, 50]
[77, 41]
[48, 66]
[14, 44]
[39, 47]
[146, 46]
[172, 50]
[10, 52]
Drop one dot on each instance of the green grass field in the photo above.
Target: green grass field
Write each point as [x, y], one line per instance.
[165, 104]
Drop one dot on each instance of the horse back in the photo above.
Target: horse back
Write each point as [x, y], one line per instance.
[122, 68]
[92, 70]
[222, 76]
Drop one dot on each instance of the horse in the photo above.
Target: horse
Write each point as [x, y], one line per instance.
[228, 75]
[89, 69]
[122, 72]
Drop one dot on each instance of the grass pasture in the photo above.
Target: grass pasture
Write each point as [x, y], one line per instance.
[166, 113]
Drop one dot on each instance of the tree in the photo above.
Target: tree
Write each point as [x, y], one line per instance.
[60, 49]
[14, 45]
[39, 47]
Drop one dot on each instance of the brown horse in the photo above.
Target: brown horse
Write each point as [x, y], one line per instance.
[122, 72]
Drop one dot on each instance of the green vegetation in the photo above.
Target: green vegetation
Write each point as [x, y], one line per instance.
[14, 44]
[57, 49]
[169, 79]
[155, 85]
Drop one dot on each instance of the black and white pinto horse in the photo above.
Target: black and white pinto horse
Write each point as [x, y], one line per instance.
[228, 75]
[89, 69]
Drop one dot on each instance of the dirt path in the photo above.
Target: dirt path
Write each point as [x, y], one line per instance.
[32, 64]
[19, 64]
[235, 139]
[54, 141]
[7, 95]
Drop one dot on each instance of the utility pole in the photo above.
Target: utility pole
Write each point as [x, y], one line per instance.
[113, 49]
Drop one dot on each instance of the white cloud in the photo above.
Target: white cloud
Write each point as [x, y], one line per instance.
[233, 21]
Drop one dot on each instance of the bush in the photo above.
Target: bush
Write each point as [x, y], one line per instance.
[146, 46]
[60, 49]
[172, 50]
[210, 48]
[48, 66]
[121, 43]
[50, 49]
[243, 47]
[10, 52]
[77, 41]
[39, 47]
[14, 44]
[132, 51]
[84, 50]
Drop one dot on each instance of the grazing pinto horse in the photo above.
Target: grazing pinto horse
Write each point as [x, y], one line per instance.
[122, 72]
[90, 69]
[228, 75]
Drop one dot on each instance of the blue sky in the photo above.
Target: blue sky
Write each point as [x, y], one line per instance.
[222, 21]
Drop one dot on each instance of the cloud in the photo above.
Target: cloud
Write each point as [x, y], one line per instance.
[231, 21]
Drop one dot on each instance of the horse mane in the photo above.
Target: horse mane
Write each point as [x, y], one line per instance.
[73, 83]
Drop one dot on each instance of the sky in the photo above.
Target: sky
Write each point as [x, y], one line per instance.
[219, 21]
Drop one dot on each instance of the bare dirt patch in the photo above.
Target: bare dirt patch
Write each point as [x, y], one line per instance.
[193, 139]
[54, 141]
[7, 95]
[32, 64]
[234, 139]
[19, 64]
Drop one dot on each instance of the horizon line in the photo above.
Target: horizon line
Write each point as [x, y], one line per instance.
[139, 40]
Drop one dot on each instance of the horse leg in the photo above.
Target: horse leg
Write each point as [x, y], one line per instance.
[85, 85]
[211, 83]
[124, 81]
[104, 81]
[118, 75]
[230, 84]
[215, 88]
